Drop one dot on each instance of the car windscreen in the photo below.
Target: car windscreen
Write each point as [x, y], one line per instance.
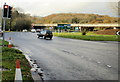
[50, 32]
[43, 32]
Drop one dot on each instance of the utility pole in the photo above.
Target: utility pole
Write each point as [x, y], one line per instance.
[10, 24]
[7, 10]
[4, 22]
[5, 15]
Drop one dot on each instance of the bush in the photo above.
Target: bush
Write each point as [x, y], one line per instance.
[84, 33]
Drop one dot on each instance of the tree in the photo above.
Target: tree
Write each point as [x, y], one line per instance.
[115, 6]
[22, 24]
[85, 30]
[75, 20]
[19, 21]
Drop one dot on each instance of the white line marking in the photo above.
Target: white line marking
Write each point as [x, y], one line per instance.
[27, 52]
[99, 62]
[109, 66]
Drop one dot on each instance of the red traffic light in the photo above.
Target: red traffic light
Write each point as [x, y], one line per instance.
[6, 6]
[5, 11]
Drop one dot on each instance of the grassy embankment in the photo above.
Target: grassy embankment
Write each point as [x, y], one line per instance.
[9, 57]
[90, 36]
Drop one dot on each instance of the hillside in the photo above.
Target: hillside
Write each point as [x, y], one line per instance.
[77, 18]
[108, 32]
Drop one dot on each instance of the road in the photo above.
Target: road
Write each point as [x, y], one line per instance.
[70, 59]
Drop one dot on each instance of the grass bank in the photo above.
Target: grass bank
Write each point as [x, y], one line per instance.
[5, 43]
[90, 36]
[9, 57]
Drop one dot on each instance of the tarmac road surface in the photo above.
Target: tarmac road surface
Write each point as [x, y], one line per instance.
[70, 59]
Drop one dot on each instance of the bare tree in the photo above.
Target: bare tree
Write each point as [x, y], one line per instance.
[115, 6]
[19, 9]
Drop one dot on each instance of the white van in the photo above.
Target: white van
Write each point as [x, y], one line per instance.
[33, 30]
[25, 30]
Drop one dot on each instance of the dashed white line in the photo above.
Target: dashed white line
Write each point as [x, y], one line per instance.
[98, 62]
[109, 66]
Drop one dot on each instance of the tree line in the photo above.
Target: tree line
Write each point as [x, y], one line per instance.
[18, 22]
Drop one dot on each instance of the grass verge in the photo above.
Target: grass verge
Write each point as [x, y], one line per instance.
[90, 36]
[5, 42]
[9, 57]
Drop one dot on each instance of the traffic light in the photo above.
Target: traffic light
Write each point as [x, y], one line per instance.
[9, 12]
[5, 11]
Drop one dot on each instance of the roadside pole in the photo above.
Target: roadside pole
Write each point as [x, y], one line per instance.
[4, 31]
[7, 13]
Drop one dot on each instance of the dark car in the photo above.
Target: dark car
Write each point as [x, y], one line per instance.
[45, 34]
[37, 30]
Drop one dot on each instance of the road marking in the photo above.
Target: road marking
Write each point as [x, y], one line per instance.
[98, 62]
[27, 52]
[72, 39]
[109, 66]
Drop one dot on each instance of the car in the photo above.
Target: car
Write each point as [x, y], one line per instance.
[33, 30]
[45, 34]
[25, 30]
[38, 30]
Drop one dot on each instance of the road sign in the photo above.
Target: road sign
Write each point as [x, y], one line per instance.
[118, 33]
[64, 26]
[76, 28]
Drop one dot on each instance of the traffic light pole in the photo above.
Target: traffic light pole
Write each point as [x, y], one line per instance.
[7, 10]
[10, 24]
[4, 22]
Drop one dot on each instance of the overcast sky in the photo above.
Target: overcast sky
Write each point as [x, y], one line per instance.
[47, 7]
